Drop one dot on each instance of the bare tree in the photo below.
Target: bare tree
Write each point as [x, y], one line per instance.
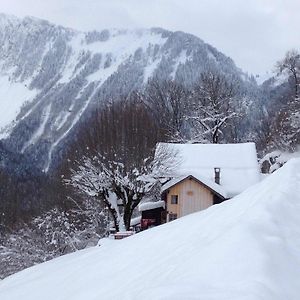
[212, 105]
[118, 186]
[290, 64]
[107, 181]
[285, 128]
[167, 100]
[117, 164]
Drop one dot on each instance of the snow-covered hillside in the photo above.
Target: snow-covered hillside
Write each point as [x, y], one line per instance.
[51, 77]
[245, 248]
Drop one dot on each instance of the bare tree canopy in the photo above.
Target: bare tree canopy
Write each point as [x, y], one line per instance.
[285, 125]
[168, 101]
[290, 64]
[212, 104]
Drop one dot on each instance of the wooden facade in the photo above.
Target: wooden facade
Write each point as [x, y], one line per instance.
[191, 195]
[180, 197]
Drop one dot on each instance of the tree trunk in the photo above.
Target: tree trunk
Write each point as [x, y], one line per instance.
[127, 215]
[115, 219]
[216, 134]
[296, 84]
[112, 212]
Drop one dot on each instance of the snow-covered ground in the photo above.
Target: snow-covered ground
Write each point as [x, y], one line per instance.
[245, 249]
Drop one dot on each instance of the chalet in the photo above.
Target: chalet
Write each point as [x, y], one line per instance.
[203, 175]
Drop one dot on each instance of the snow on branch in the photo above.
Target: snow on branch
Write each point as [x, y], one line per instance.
[121, 187]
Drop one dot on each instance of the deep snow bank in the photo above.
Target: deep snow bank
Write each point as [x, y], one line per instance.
[246, 248]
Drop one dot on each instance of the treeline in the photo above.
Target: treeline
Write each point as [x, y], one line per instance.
[25, 195]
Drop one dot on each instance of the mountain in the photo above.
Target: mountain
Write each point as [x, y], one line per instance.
[52, 78]
[244, 248]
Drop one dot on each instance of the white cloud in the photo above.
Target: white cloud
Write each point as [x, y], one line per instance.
[255, 33]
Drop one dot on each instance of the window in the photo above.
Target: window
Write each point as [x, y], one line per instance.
[174, 199]
[172, 217]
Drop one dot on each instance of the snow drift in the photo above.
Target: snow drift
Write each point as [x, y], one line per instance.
[246, 248]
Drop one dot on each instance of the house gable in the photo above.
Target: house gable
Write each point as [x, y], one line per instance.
[213, 187]
[191, 194]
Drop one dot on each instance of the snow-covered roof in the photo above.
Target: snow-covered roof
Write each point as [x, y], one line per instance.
[209, 183]
[238, 163]
[151, 205]
[135, 221]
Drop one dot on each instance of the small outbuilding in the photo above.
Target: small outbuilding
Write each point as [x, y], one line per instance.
[153, 214]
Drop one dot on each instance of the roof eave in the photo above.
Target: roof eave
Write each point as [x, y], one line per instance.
[199, 181]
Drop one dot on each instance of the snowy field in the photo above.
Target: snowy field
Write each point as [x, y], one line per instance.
[247, 248]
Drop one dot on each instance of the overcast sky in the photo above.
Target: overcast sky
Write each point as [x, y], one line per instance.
[255, 33]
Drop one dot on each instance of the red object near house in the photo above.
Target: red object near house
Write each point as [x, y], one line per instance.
[146, 223]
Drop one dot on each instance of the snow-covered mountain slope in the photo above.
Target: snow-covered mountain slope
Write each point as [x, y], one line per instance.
[246, 248]
[51, 77]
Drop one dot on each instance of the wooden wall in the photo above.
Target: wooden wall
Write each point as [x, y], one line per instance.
[192, 197]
